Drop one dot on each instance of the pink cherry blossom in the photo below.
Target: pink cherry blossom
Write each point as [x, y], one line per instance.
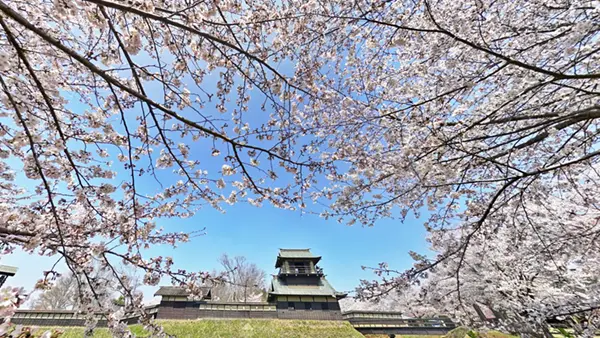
[479, 117]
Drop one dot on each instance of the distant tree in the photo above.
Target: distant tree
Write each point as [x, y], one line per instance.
[61, 296]
[63, 293]
[243, 282]
[119, 301]
[128, 276]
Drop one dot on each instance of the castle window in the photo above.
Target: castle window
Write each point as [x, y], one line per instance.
[308, 306]
[325, 306]
[291, 306]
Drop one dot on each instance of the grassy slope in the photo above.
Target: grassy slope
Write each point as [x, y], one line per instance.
[400, 336]
[491, 334]
[242, 328]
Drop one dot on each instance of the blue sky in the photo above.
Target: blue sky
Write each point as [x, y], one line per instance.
[256, 233]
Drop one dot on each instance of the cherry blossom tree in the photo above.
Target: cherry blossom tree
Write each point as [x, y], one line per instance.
[536, 260]
[481, 116]
[100, 98]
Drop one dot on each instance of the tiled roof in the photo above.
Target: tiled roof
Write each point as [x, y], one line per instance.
[295, 253]
[8, 270]
[179, 291]
[322, 289]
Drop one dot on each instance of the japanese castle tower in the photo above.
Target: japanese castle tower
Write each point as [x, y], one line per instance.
[300, 289]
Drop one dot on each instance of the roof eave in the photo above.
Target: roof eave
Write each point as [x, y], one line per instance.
[8, 270]
[279, 260]
[169, 292]
[341, 295]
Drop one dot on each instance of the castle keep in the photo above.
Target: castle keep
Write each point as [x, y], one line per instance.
[299, 291]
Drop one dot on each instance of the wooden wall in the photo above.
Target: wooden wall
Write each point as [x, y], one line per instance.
[190, 310]
[178, 310]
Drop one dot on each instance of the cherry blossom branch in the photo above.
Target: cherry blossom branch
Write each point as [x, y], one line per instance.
[195, 31]
[109, 79]
[555, 75]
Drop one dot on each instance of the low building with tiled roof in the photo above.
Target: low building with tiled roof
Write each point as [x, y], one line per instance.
[176, 303]
[5, 272]
[178, 291]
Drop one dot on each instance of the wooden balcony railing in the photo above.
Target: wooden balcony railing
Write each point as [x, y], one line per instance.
[299, 270]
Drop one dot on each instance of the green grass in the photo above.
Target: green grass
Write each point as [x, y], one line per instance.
[400, 336]
[461, 332]
[455, 333]
[239, 328]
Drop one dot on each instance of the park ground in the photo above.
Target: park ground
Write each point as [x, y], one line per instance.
[257, 328]
[243, 328]
[249, 328]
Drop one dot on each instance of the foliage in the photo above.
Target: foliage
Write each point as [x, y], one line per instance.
[119, 301]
